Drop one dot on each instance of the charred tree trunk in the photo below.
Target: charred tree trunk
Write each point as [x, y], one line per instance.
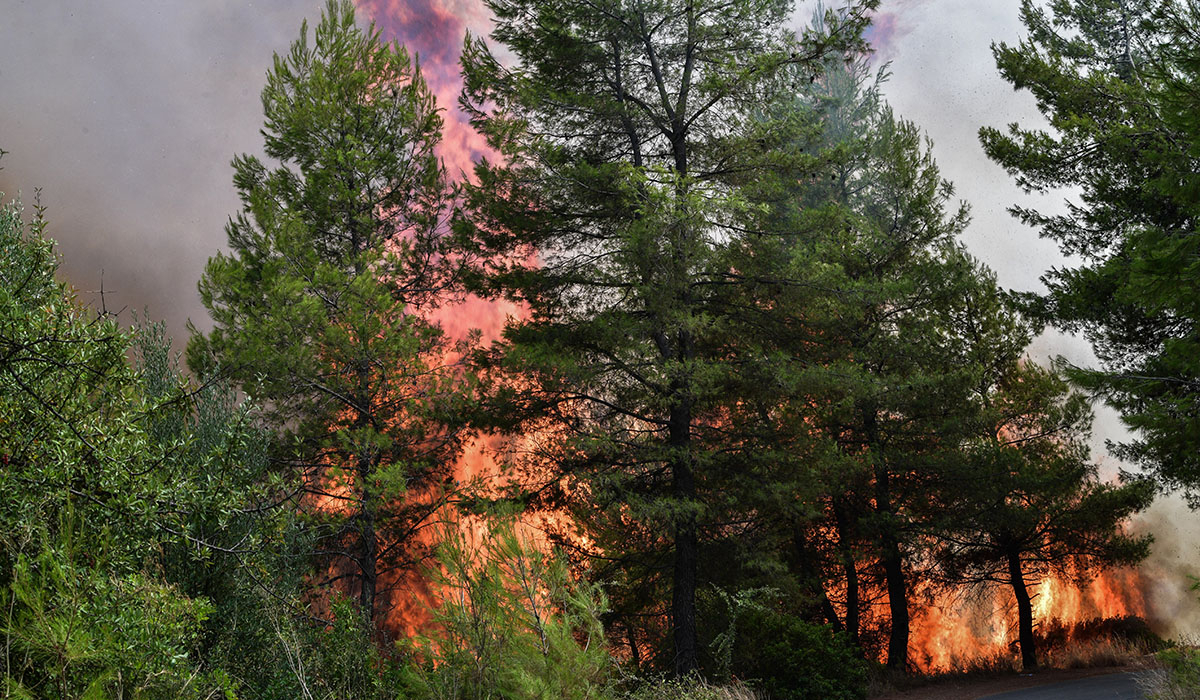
[1024, 612]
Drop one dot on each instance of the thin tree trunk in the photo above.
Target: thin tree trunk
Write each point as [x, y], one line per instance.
[366, 459]
[369, 546]
[1024, 612]
[890, 554]
[897, 587]
[811, 578]
[850, 572]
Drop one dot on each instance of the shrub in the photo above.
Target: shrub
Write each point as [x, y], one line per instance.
[1179, 677]
[74, 628]
[795, 660]
[513, 624]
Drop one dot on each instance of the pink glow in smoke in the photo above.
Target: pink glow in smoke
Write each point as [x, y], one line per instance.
[434, 30]
[889, 27]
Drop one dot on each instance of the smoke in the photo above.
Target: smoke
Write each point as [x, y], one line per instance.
[1170, 571]
[434, 30]
[127, 114]
[889, 27]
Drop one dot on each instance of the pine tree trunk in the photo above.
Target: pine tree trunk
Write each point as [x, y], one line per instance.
[1024, 612]
[366, 464]
[849, 571]
[810, 577]
[369, 551]
[897, 587]
[683, 597]
[890, 554]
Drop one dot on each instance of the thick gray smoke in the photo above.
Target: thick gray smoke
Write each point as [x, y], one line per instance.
[126, 113]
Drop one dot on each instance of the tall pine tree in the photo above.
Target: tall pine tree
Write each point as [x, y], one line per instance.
[626, 132]
[1116, 79]
[321, 307]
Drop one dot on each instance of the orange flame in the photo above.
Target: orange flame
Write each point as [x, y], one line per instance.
[960, 629]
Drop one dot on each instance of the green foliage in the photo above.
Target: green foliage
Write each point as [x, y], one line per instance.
[1117, 82]
[1035, 505]
[71, 630]
[321, 307]
[1180, 675]
[513, 624]
[632, 137]
[792, 659]
[873, 353]
[736, 607]
[1035, 491]
[97, 490]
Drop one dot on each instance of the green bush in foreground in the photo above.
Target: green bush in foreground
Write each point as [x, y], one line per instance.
[792, 659]
[514, 624]
[1179, 677]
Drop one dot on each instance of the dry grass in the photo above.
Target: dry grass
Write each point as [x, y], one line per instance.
[1098, 653]
[1157, 684]
[695, 690]
[740, 691]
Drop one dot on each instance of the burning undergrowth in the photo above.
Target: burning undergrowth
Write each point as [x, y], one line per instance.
[1106, 621]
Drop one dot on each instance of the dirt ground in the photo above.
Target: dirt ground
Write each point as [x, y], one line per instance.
[972, 687]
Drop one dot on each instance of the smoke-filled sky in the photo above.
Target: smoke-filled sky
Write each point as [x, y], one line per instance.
[126, 113]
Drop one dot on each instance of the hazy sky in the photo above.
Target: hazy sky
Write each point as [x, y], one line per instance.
[127, 112]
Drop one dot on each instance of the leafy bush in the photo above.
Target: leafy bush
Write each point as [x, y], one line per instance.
[73, 630]
[1179, 677]
[792, 659]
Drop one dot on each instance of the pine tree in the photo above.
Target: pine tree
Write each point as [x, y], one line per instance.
[1117, 81]
[867, 347]
[627, 133]
[1030, 503]
[321, 307]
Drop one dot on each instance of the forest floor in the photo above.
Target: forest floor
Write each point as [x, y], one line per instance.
[977, 685]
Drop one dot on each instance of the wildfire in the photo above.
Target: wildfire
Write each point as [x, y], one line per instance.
[958, 630]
